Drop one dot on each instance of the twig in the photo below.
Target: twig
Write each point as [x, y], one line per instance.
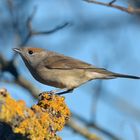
[50, 31]
[130, 9]
[111, 2]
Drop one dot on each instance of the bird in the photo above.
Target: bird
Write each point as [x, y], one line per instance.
[63, 72]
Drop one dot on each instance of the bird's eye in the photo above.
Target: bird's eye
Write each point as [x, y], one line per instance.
[30, 52]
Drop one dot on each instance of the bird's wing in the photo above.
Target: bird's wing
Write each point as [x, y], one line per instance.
[68, 63]
[65, 62]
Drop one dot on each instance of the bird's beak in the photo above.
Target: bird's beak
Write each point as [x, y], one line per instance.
[18, 50]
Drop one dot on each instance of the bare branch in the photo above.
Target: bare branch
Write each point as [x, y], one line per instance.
[10, 67]
[27, 85]
[129, 9]
[81, 130]
[111, 2]
[32, 33]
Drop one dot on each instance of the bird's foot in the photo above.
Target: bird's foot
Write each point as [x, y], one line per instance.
[57, 92]
[50, 92]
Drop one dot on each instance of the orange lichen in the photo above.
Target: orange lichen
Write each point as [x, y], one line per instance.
[40, 122]
[56, 108]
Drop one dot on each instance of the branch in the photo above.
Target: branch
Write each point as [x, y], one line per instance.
[130, 9]
[9, 66]
[81, 130]
[39, 122]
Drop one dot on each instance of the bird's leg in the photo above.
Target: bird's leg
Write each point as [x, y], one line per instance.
[57, 91]
[64, 92]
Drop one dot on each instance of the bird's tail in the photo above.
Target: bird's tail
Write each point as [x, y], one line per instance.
[125, 76]
[105, 74]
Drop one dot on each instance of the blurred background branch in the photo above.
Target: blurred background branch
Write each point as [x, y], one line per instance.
[81, 130]
[129, 9]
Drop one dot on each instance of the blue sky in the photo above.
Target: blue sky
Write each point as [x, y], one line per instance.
[102, 36]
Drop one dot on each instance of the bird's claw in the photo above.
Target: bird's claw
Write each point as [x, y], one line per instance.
[57, 92]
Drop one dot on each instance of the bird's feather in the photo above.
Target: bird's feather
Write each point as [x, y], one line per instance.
[68, 63]
[65, 63]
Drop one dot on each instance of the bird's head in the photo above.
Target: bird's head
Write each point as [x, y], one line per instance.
[31, 56]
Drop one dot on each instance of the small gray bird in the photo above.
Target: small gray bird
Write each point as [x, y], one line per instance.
[57, 70]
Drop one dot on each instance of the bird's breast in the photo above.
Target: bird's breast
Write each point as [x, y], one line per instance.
[62, 78]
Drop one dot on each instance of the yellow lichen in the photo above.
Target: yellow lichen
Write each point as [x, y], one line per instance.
[40, 122]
